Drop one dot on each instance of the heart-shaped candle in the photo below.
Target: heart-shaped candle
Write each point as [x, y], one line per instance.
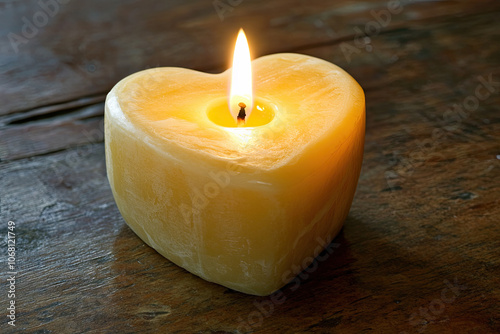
[239, 190]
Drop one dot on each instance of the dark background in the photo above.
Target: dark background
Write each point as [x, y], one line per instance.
[419, 252]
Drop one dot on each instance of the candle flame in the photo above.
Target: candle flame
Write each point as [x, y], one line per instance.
[241, 80]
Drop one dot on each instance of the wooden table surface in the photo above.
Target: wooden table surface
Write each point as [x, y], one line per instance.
[420, 250]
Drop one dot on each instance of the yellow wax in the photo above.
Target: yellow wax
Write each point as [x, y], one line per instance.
[239, 206]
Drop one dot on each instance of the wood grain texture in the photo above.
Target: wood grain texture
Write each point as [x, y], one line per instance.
[103, 43]
[419, 252]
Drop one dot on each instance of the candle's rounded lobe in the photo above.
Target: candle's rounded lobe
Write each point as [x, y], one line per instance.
[241, 78]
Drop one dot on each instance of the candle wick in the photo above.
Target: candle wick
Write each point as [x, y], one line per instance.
[242, 114]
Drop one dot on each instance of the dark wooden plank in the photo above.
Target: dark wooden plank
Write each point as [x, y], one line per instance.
[81, 127]
[105, 41]
[54, 110]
